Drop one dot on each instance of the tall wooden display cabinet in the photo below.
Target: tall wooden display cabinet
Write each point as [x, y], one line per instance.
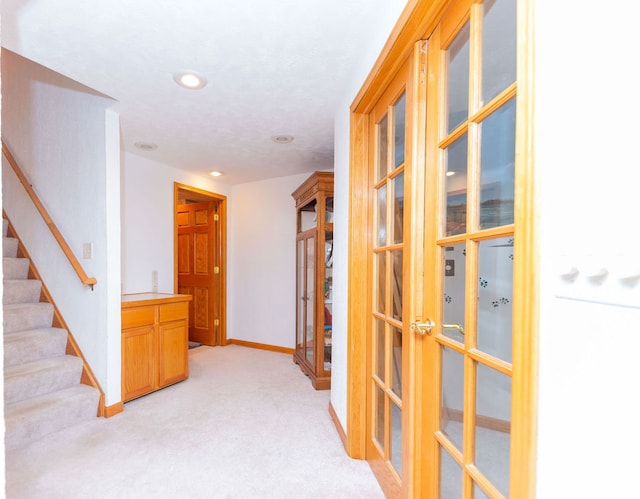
[314, 278]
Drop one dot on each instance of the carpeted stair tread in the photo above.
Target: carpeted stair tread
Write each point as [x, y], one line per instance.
[15, 268]
[30, 420]
[23, 316]
[36, 378]
[21, 291]
[9, 246]
[43, 392]
[21, 347]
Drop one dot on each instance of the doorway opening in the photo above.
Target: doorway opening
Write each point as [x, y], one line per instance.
[200, 242]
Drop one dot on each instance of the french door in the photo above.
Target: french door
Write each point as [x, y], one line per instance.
[470, 235]
[389, 351]
[447, 321]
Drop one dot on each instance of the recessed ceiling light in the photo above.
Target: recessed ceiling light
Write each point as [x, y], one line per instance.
[450, 174]
[190, 79]
[215, 174]
[282, 139]
[146, 146]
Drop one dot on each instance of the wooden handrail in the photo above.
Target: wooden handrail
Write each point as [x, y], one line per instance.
[89, 281]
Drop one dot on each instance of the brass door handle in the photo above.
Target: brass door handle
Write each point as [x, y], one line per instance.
[423, 327]
[453, 326]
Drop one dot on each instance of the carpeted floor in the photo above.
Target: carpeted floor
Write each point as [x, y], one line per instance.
[246, 424]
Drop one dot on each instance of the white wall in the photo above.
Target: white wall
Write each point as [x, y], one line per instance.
[586, 134]
[379, 21]
[147, 220]
[66, 142]
[262, 261]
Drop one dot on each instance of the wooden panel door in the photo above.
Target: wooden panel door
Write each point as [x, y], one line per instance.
[138, 349]
[197, 269]
[173, 364]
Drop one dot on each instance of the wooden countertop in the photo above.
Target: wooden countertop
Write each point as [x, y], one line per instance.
[138, 299]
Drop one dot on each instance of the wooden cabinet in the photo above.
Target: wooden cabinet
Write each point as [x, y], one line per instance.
[314, 277]
[155, 342]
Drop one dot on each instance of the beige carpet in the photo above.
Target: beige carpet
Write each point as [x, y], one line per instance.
[246, 424]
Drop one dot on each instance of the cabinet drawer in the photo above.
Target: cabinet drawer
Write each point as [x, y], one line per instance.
[138, 316]
[174, 311]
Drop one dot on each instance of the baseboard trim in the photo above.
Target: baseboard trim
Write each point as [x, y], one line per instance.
[336, 423]
[260, 346]
[114, 409]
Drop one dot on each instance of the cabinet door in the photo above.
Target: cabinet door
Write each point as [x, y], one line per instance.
[137, 362]
[310, 280]
[172, 352]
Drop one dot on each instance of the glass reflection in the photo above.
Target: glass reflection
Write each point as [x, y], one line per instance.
[454, 291]
[382, 215]
[452, 411]
[498, 47]
[399, 114]
[396, 284]
[493, 426]
[458, 79]
[383, 137]
[495, 297]
[456, 186]
[497, 160]
[398, 207]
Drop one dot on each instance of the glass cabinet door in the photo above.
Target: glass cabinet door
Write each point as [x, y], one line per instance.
[309, 273]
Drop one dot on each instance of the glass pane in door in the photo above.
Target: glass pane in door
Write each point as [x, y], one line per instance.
[498, 46]
[383, 147]
[396, 284]
[497, 161]
[399, 119]
[382, 215]
[453, 309]
[495, 297]
[493, 426]
[456, 187]
[379, 352]
[452, 410]
[379, 419]
[380, 272]
[396, 361]
[458, 80]
[450, 476]
[397, 210]
[396, 438]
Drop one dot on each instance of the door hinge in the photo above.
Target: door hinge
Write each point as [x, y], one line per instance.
[216, 270]
[216, 322]
[216, 217]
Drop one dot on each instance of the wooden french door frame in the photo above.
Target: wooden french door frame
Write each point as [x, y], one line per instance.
[417, 22]
[220, 247]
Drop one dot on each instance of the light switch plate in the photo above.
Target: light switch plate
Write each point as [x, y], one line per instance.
[87, 251]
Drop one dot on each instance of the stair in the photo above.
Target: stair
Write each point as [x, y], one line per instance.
[42, 389]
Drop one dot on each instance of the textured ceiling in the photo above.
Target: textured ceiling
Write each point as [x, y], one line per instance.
[274, 67]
